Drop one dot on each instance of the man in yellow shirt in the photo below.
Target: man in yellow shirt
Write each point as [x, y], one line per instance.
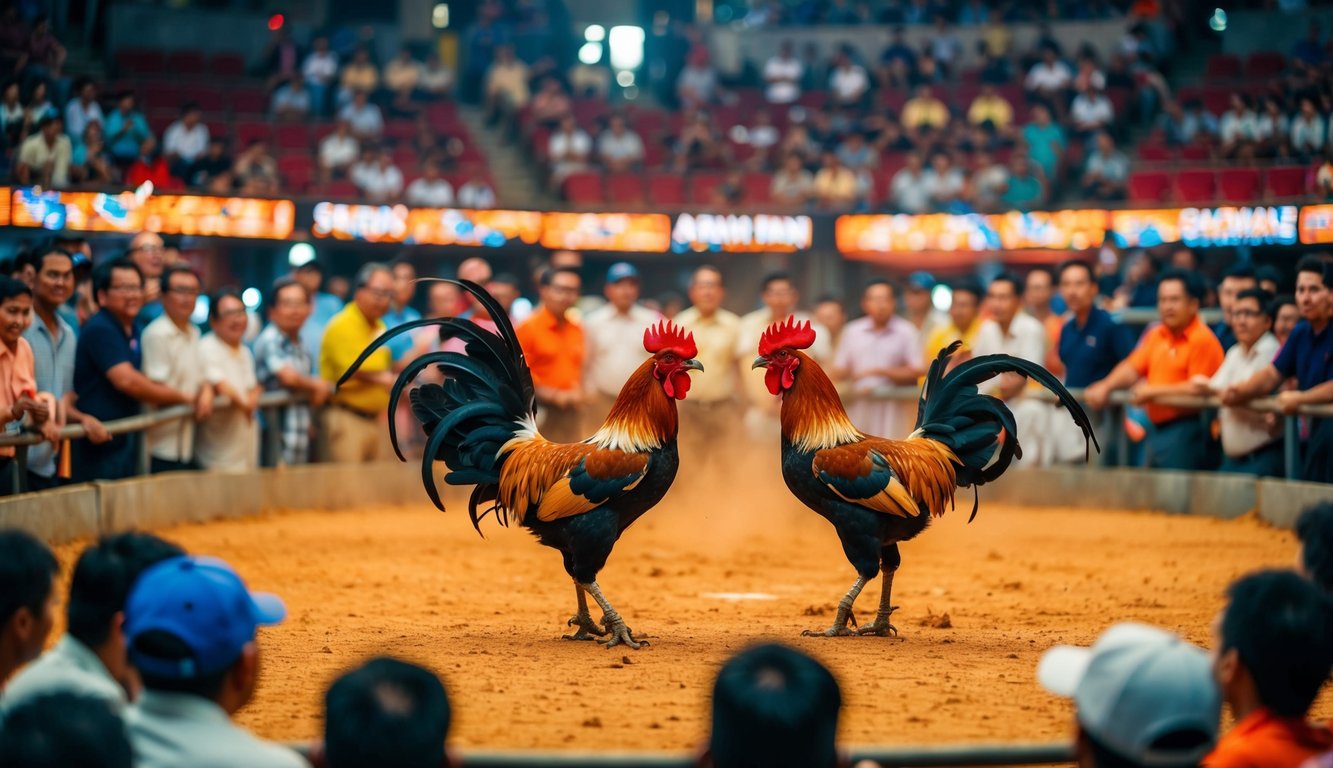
[991, 107]
[712, 412]
[357, 421]
[923, 112]
[964, 321]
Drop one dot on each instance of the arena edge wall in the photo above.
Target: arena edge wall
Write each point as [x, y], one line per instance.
[158, 501]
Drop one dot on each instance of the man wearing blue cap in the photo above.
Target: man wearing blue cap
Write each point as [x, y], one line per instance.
[614, 334]
[190, 626]
[919, 304]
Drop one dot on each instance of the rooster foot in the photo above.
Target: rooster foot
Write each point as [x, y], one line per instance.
[619, 634]
[833, 631]
[881, 626]
[588, 629]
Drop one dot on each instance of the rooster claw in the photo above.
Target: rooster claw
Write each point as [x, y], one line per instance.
[843, 631]
[619, 634]
[881, 626]
[588, 629]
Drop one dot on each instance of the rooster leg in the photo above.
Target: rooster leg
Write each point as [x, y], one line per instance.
[588, 629]
[881, 626]
[615, 626]
[844, 613]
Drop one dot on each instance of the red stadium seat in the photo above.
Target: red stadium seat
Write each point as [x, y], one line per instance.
[319, 131]
[584, 188]
[758, 188]
[1198, 186]
[341, 190]
[292, 136]
[1264, 64]
[666, 189]
[247, 131]
[141, 61]
[185, 63]
[249, 102]
[625, 189]
[1149, 186]
[1239, 185]
[1217, 100]
[400, 130]
[1223, 65]
[702, 185]
[211, 101]
[296, 172]
[1286, 181]
[161, 96]
[1155, 153]
[1196, 152]
[227, 65]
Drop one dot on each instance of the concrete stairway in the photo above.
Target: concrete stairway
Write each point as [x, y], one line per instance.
[516, 182]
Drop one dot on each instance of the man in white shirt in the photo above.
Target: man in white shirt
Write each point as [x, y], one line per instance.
[908, 189]
[780, 298]
[1091, 111]
[476, 194]
[364, 118]
[879, 350]
[1251, 441]
[848, 81]
[90, 658]
[1049, 77]
[82, 110]
[619, 148]
[185, 140]
[338, 151]
[171, 356]
[1013, 332]
[569, 148]
[431, 190]
[783, 75]
[613, 338]
[380, 181]
[191, 628]
[229, 438]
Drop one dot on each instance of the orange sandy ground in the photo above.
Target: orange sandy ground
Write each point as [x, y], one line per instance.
[487, 615]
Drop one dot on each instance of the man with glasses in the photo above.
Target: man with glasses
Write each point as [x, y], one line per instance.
[148, 252]
[52, 339]
[281, 362]
[108, 384]
[553, 344]
[171, 356]
[356, 423]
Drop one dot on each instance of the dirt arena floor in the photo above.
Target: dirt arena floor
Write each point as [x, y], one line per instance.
[704, 575]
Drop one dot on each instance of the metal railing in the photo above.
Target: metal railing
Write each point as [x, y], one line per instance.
[270, 404]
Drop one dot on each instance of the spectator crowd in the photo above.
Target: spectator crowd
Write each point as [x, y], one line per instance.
[162, 648]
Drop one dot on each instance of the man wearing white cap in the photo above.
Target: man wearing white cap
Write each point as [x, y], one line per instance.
[190, 627]
[1143, 697]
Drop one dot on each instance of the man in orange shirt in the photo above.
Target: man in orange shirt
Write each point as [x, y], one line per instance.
[1167, 358]
[1274, 650]
[18, 385]
[553, 345]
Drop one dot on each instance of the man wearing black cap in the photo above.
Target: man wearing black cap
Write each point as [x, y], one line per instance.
[190, 625]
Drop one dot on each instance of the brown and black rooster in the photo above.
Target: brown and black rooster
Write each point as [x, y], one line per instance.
[577, 498]
[878, 492]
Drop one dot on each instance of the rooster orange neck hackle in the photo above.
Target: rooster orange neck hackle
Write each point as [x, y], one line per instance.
[642, 418]
[812, 415]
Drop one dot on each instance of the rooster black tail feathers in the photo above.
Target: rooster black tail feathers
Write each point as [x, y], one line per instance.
[978, 428]
[487, 399]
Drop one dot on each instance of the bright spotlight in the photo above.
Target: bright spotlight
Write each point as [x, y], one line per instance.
[251, 297]
[439, 16]
[1218, 21]
[200, 313]
[626, 47]
[590, 53]
[300, 253]
[942, 297]
[595, 33]
[625, 78]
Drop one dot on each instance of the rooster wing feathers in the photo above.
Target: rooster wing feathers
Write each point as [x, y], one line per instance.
[900, 478]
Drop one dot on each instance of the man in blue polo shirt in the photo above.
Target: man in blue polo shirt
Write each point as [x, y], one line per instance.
[107, 382]
[1307, 357]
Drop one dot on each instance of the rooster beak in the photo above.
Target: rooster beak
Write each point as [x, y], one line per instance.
[693, 365]
[759, 362]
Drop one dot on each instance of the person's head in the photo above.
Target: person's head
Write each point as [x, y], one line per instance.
[86, 89]
[64, 730]
[774, 706]
[51, 126]
[779, 294]
[1040, 114]
[360, 99]
[1004, 296]
[1286, 314]
[504, 288]
[148, 252]
[830, 313]
[386, 713]
[1268, 277]
[622, 285]
[559, 289]
[1078, 285]
[404, 281]
[311, 275]
[1038, 287]
[1314, 529]
[28, 571]
[227, 316]
[966, 303]
[15, 310]
[917, 293]
[374, 290]
[191, 114]
[1142, 697]
[190, 626]
[829, 159]
[53, 283]
[1274, 643]
[707, 289]
[1312, 289]
[180, 292]
[475, 269]
[1237, 278]
[1178, 296]
[118, 286]
[289, 306]
[442, 299]
[1251, 315]
[913, 162]
[878, 302]
[125, 102]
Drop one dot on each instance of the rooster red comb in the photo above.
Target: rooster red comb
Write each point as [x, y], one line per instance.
[788, 335]
[666, 336]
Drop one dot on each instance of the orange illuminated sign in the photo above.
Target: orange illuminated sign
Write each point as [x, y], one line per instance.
[629, 232]
[425, 226]
[142, 210]
[1317, 224]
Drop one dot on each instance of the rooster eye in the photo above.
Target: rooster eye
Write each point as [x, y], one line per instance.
[782, 353]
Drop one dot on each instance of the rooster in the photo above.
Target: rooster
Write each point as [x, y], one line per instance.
[878, 492]
[576, 498]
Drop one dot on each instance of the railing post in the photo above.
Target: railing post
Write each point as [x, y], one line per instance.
[1121, 436]
[273, 418]
[1291, 446]
[142, 464]
[20, 466]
